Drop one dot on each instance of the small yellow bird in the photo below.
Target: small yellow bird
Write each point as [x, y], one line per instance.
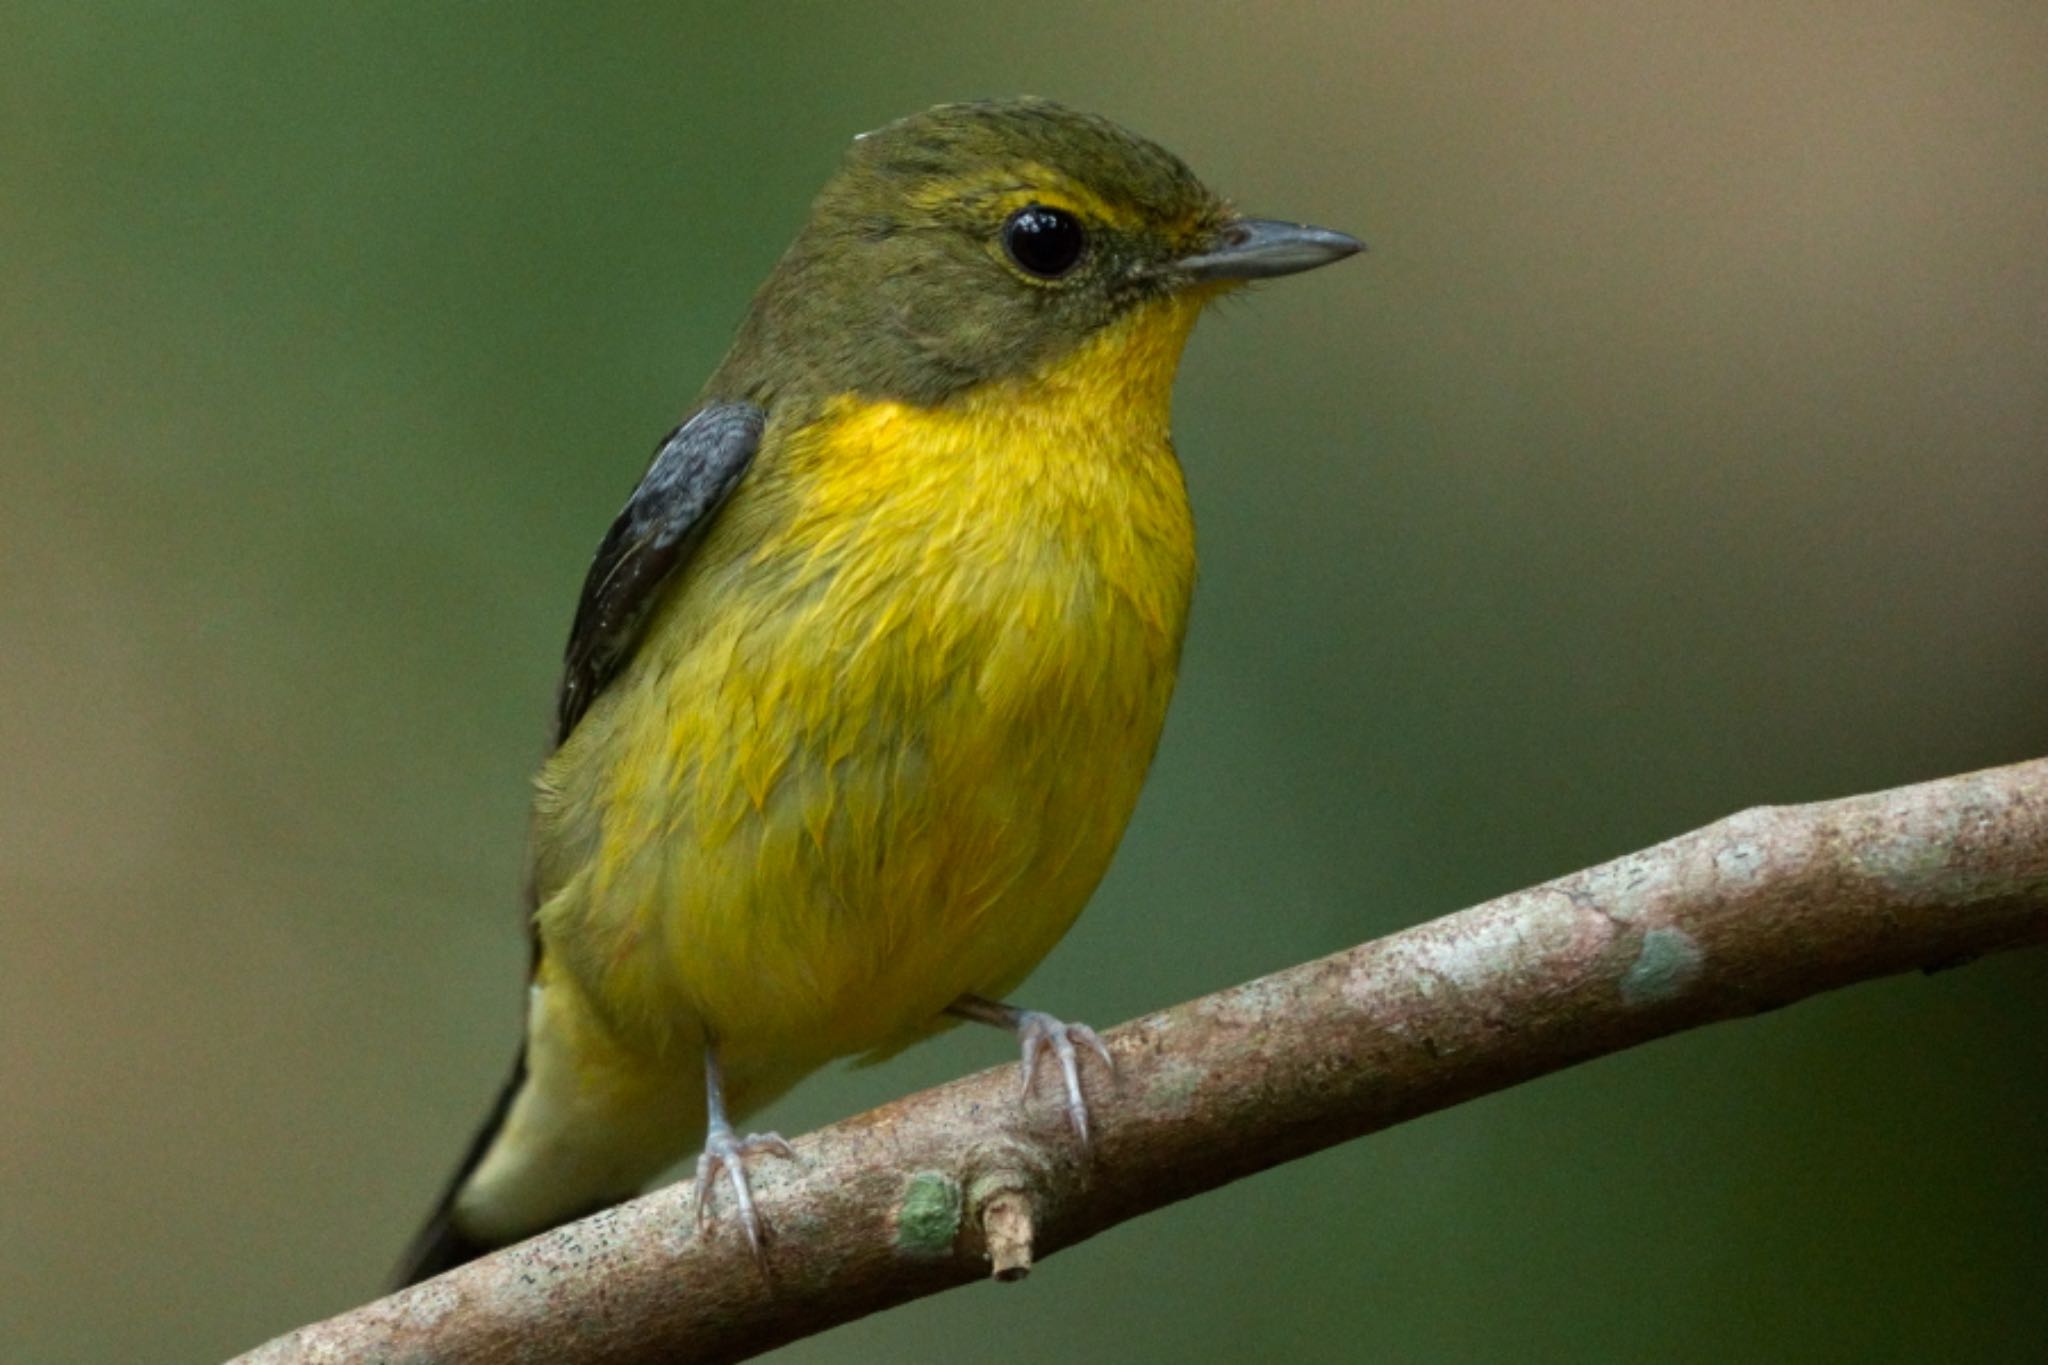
[867, 674]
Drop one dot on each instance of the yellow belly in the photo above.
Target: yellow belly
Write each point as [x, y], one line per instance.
[878, 750]
[874, 752]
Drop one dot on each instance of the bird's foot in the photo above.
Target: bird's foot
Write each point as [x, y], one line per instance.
[1039, 1033]
[727, 1153]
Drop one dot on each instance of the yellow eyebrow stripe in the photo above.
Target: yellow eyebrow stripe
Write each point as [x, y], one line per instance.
[1013, 187]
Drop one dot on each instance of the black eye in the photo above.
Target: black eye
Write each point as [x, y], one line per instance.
[1044, 241]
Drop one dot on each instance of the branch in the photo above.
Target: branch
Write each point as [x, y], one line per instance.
[1764, 908]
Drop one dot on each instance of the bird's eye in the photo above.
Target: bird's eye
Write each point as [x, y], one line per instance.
[1046, 242]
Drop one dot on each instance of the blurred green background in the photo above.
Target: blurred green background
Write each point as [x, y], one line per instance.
[1681, 445]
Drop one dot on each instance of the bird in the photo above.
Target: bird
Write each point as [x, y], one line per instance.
[866, 676]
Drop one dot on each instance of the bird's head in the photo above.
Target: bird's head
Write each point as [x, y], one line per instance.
[983, 241]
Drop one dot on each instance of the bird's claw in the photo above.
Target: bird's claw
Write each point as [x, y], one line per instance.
[1039, 1033]
[723, 1151]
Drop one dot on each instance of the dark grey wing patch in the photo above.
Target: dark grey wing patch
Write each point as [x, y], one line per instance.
[694, 471]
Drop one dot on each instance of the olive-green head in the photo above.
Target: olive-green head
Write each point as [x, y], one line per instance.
[977, 241]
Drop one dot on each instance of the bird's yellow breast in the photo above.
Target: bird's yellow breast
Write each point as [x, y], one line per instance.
[879, 744]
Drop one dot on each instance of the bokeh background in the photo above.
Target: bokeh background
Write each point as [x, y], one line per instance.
[1681, 445]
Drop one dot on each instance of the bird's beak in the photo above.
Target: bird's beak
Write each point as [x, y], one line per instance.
[1257, 248]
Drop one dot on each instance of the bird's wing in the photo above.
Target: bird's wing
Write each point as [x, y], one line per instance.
[695, 469]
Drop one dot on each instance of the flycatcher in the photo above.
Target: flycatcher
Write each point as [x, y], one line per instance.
[867, 674]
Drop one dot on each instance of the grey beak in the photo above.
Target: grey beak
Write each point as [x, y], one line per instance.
[1257, 248]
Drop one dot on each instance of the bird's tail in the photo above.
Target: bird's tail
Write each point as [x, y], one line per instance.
[440, 1245]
